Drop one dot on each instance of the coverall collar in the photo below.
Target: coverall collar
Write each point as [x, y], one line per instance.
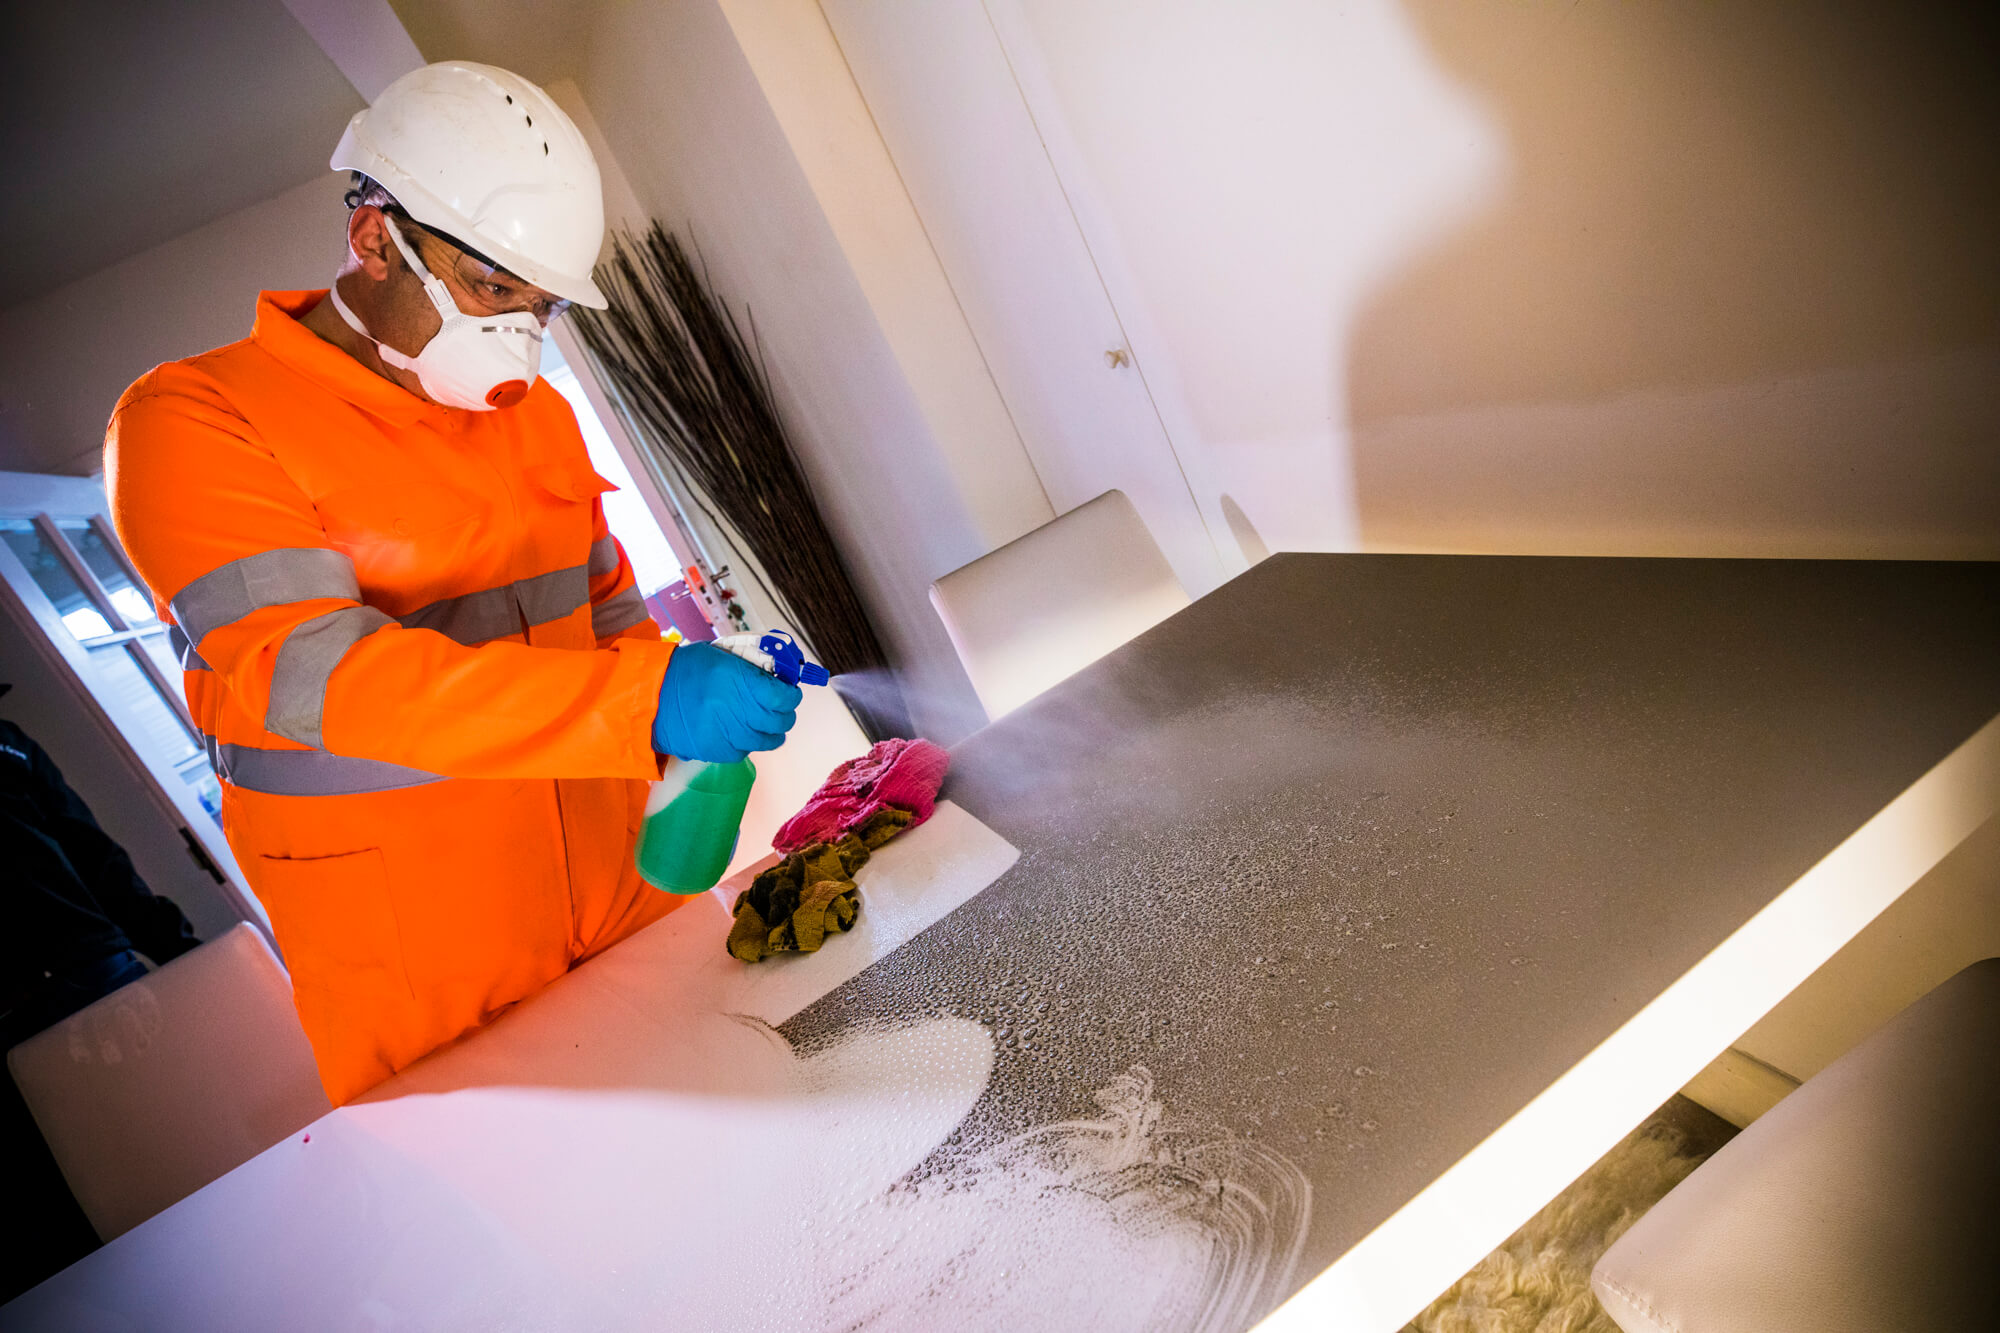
[278, 331]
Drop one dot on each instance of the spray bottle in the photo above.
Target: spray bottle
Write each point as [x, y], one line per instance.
[694, 814]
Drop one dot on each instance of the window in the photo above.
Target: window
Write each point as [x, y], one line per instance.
[654, 563]
[68, 591]
[77, 565]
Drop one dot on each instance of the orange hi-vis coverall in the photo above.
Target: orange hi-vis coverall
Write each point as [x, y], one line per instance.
[425, 674]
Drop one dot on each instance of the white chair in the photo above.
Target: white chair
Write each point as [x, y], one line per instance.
[171, 1081]
[1864, 1201]
[1048, 604]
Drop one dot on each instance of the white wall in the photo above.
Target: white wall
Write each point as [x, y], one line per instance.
[65, 357]
[949, 108]
[1738, 296]
[1248, 176]
[904, 440]
[792, 52]
[1416, 274]
[1893, 460]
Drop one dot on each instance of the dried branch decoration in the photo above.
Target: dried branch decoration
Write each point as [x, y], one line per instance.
[702, 401]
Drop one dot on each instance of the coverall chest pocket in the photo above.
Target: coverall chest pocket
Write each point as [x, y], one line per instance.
[562, 494]
[336, 923]
[574, 481]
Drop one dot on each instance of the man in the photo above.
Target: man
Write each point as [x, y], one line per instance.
[78, 917]
[424, 671]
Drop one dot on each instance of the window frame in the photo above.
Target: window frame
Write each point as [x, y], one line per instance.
[47, 502]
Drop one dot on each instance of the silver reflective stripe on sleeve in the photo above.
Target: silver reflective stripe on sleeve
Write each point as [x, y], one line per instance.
[306, 660]
[622, 612]
[603, 557]
[473, 618]
[494, 613]
[310, 772]
[269, 578]
[182, 648]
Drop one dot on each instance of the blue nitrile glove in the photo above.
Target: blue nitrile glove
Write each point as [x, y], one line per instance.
[717, 707]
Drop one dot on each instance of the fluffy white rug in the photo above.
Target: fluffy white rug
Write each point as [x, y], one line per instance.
[1539, 1281]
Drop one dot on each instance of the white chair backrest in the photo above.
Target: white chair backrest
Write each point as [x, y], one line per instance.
[1048, 604]
[171, 1081]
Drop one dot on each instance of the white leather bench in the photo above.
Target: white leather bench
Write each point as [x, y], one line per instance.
[168, 1082]
[1866, 1201]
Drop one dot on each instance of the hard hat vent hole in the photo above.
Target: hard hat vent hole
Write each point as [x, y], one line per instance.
[510, 99]
[545, 150]
[531, 122]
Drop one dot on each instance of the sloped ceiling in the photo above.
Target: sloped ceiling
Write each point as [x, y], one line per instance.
[124, 125]
[537, 39]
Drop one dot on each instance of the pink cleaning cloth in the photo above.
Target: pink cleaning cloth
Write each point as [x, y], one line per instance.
[905, 774]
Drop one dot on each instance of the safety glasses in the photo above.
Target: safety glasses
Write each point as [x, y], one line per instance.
[490, 287]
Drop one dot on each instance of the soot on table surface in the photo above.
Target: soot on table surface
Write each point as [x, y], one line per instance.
[1346, 894]
[1163, 954]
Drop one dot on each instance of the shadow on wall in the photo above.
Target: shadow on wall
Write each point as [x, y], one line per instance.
[1240, 527]
[1740, 298]
[1262, 171]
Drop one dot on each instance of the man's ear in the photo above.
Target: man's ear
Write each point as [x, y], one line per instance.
[368, 241]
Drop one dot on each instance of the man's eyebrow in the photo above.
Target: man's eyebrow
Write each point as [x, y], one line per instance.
[466, 250]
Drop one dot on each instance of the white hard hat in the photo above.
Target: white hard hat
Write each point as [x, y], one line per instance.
[487, 158]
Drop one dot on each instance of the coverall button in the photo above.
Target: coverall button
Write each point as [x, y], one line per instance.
[402, 527]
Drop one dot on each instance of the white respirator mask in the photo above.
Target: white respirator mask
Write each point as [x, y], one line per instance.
[477, 362]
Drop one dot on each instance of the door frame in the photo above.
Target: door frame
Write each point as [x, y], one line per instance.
[44, 499]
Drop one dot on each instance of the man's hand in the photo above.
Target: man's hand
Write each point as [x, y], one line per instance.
[717, 707]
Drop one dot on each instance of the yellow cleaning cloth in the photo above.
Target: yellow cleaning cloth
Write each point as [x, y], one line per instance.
[810, 894]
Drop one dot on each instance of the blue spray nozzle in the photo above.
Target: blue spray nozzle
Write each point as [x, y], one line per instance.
[788, 660]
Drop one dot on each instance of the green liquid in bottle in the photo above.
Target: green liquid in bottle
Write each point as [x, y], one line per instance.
[692, 822]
